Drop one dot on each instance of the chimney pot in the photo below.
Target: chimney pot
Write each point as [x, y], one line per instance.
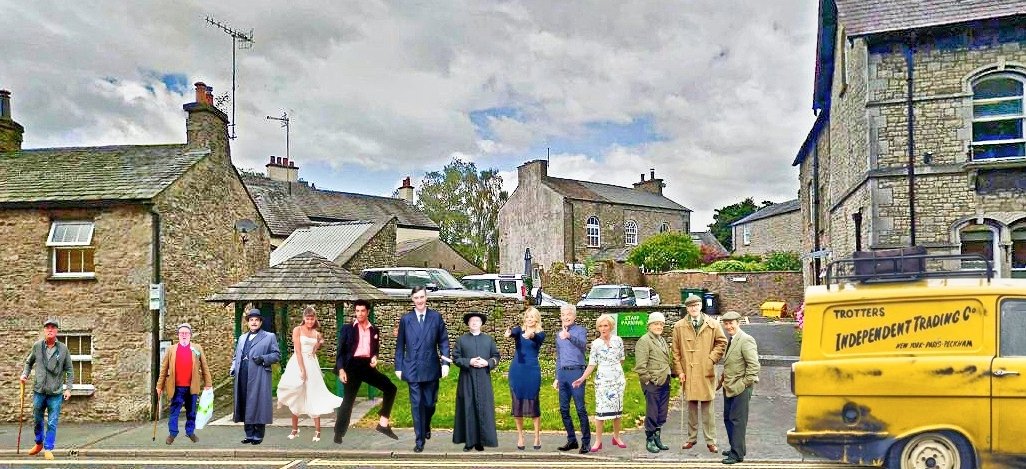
[272, 159]
[292, 164]
[652, 172]
[5, 104]
[201, 92]
[210, 95]
[285, 162]
[642, 177]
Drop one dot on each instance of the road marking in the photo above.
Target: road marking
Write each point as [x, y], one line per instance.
[281, 463]
[292, 464]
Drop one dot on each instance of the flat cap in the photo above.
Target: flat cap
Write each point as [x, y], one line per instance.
[185, 325]
[692, 299]
[51, 322]
[656, 317]
[730, 316]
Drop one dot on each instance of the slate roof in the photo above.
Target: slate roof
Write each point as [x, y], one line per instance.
[863, 17]
[598, 192]
[334, 241]
[290, 206]
[708, 239]
[92, 174]
[771, 211]
[306, 277]
[404, 247]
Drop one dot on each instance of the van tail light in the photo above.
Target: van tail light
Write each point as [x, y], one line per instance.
[523, 291]
[792, 379]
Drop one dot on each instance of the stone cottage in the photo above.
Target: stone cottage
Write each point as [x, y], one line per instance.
[88, 230]
[953, 178]
[570, 221]
[775, 227]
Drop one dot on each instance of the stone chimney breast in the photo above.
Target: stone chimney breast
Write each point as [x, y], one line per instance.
[206, 126]
[11, 132]
[652, 185]
[282, 169]
[532, 172]
[406, 191]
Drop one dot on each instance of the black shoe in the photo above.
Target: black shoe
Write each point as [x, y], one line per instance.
[387, 431]
[479, 447]
[427, 436]
[726, 453]
[418, 448]
[193, 437]
[658, 438]
[256, 442]
[584, 450]
[572, 444]
[466, 448]
[247, 441]
[338, 438]
[731, 460]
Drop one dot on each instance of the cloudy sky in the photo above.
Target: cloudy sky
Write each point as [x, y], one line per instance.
[715, 95]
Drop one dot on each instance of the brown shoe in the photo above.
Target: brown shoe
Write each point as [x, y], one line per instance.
[36, 449]
[688, 445]
[193, 437]
[712, 448]
[170, 439]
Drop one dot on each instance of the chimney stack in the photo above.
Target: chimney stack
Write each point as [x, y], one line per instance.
[652, 185]
[10, 132]
[206, 126]
[406, 191]
[281, 169]
[532, 172]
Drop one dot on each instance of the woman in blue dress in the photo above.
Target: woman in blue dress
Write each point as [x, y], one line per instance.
[525, 374]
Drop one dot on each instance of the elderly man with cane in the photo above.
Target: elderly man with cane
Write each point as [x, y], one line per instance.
[54, 374]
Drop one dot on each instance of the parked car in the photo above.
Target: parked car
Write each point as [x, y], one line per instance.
[504, 284]
[645, 296]
[609, 295]
[398, 281]
[548, 300]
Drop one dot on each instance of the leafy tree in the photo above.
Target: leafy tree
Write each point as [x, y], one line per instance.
[666, 251]
[465, 203]
[724, 216]
[783, 260]
[710, 254]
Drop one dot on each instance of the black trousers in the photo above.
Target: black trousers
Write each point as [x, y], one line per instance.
[358, 372]
[735, 419]
[657, 405]
[255, 431]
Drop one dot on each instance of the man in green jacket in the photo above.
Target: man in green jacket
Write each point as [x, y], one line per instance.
[740, 373]
[54, 375]
[652, 364]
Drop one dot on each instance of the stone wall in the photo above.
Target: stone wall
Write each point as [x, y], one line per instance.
[379, 251]
[559, 282]
[532, 217]
[112, 307]
[777, 233]
[610, 272]
[743, 292]
[611, 224]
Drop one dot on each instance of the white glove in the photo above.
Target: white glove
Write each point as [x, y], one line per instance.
[445, 370]
[399, 374]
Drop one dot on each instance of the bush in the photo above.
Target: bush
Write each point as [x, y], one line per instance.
[666, 251]
[783, 260]
[710, 254]
[734, 265]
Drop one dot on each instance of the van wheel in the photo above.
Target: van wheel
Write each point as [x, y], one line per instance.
[933, 450]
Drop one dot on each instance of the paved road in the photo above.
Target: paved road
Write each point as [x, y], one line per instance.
[492, 461]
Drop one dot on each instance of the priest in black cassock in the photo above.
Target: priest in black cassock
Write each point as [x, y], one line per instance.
[477, 355]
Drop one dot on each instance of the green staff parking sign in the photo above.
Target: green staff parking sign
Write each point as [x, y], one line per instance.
[631, 325]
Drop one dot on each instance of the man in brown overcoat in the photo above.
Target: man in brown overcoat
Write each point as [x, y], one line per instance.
[698, 343]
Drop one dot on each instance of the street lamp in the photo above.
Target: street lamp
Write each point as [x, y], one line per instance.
[528, 277]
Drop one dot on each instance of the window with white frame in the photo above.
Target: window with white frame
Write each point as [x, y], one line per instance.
[664, 227]
[71, 248]
[591, 229]
[746, 235]
[1019, 252]
[630, 233]
[998, 117]
[80, 347]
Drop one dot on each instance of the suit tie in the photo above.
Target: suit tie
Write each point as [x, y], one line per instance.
[420, 318]
[729, 340]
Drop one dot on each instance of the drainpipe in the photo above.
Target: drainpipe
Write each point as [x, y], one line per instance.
[817, 261]
[155, 315]
[909, 55]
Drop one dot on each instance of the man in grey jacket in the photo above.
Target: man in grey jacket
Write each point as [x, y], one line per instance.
[653, 365]
[54, 376]
[740, 373]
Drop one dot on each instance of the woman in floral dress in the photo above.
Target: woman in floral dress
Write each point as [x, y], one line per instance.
[607, 356]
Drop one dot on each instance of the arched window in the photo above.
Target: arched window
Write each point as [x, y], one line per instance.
[630, 233]
[981, 240]
[664, 227]
[1019, 252]
[591, 229]
[998, 117]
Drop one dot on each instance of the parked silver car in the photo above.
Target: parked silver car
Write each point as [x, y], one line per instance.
[609, 295]
[398, 281]
[645, 296]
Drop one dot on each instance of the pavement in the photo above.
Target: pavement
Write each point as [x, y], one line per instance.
[772, 414]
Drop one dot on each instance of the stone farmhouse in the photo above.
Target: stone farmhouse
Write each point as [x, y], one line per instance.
[88, 230]
[775, 227]
[289, 203]
[953, 178]
[570, 221]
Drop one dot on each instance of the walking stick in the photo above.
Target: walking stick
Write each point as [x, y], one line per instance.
[21, 416]
[156, 417]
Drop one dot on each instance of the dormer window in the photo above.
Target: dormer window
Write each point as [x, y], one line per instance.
[71, 248]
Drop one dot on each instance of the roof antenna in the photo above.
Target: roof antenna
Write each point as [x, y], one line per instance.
[285, 124]
[240, 40]
[548, 154]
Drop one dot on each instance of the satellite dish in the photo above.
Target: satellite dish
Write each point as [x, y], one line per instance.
[245, 226]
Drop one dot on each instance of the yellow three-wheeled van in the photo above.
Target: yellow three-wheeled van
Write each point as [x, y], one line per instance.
[907, 367]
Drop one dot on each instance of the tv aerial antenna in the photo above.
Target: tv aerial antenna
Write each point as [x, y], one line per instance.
[284, 119]
[240, 40]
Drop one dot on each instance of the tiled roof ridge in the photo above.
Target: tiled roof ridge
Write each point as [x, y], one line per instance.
[98, 147]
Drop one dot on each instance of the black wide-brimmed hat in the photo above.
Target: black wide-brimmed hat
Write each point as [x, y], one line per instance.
[483, 316]
[254, 313]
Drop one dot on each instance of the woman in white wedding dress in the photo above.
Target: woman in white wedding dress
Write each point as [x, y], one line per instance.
[301, 387]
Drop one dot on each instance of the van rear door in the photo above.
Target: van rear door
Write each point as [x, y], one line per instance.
[1008, 379]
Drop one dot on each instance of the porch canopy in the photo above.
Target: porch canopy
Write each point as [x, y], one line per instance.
[305, 278]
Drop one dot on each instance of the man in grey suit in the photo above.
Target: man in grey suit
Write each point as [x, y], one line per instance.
[740, 373]
[422, 339]
[256, 351]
